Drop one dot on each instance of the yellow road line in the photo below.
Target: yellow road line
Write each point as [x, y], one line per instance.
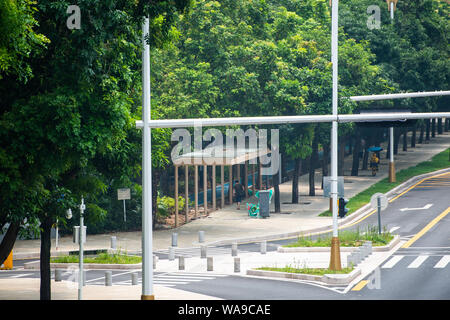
[426, 228]
[398, 196]
[360, 285]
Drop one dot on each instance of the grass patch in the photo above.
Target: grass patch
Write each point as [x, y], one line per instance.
[347, 238]
[105, 258]
[439, 161]
[311, 271]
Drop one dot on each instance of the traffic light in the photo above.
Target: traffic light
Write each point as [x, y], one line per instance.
[342, 209]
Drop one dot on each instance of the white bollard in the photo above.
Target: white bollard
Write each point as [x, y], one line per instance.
[134, 279]
[201, 236]
[237, 264]
[108, 278]
[171, 253]
[181, 264]
[58, 275]
[209, 264]
[234, 250]
[263, 247]
[113, 243]
[174, 239]
[203, 252]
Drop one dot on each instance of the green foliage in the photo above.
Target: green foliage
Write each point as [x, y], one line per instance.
[347, 238]
[166, 205]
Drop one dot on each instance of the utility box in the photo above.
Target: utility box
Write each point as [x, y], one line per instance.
[264, 203]
[76, 234]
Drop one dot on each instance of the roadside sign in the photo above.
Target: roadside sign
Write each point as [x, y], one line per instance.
[327, 187]
[374, 201]
[123, 194]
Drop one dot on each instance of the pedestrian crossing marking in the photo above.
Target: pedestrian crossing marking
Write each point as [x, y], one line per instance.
[392, 262]
[443, 262]
[417, 262]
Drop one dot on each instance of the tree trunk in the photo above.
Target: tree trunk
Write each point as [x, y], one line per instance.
[439, 126]
[297, 170]
[422, 131]
[155, 182]
[405, 139]
[433, 128]
[45, 289]
[413, 137]
[8, 241]
[325, 160]
[341, 154]
[312, 168]
[427, 136]
[365, 163]
[396, 140]
[356, 150]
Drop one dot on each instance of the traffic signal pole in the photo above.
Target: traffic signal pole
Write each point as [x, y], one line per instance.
[335, 258]
[147, 225]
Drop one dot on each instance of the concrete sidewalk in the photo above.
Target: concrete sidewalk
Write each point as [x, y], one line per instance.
[229, 224]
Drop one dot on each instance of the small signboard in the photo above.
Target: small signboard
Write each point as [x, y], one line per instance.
[374, 201]
[327, 187]
[123, 194]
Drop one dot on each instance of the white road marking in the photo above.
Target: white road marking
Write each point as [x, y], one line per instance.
[22, 275]
[443, 262]
[392, 262]
[427, 206]
[417, 262]
[393, 229]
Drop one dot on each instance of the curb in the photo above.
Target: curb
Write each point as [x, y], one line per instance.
[335, 279]
[388, 247]
[358, 214]
[35, 265]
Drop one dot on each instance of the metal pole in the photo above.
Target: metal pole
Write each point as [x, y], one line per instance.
[335, 259]
[81, 255]
[124, 212]
[391, 155]
[392, 10]
[147, 245]
[379, 214]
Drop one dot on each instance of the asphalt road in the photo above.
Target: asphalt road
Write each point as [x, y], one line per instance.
[418, 270]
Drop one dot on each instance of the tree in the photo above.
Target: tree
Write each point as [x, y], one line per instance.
[78, 106]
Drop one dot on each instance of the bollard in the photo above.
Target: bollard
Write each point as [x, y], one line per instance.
[234, 251]
[171, 253]
[58, 275]
[113, 242]
[351, 260]
[180, 263]
[203, 252]
[134, 279]
[209, 264]
[155, 259]
[237, 264]
[369, 246]
[108, 278]
[84, 278]
[174, 239]
[201, 236]
[263, 247]
[358, 256]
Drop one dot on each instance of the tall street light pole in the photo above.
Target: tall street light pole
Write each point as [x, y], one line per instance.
[335, 259]
[147, 225]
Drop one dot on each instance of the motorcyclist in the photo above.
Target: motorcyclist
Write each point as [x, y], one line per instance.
[374, 161]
